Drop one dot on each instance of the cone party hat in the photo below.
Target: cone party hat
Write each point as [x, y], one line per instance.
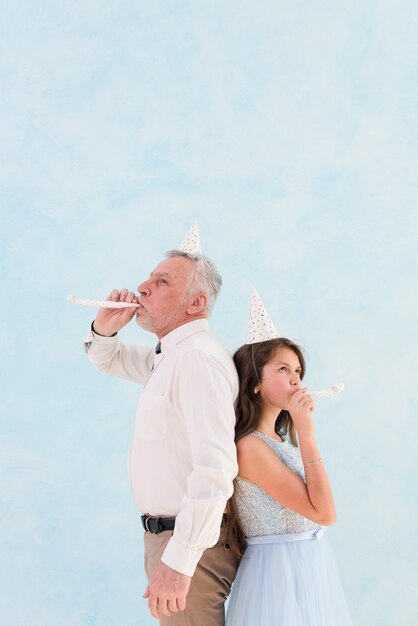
[260, 325]
[191, 242]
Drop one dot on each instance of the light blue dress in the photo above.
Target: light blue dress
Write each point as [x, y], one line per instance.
[287, 575]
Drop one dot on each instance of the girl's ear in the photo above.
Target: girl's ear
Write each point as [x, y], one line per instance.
[257, 389]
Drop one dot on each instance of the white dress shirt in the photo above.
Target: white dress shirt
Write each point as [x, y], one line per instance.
[182, 458]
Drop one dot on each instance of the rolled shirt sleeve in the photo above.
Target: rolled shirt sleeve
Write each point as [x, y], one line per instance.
[113, 358]
[205, 389]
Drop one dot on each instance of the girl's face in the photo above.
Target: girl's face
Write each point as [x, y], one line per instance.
[280, 379]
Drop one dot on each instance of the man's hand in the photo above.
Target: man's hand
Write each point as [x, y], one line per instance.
[110, 321]
[166, 591]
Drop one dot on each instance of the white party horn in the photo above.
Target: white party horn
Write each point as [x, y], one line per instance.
[328, 393]
[101, 304]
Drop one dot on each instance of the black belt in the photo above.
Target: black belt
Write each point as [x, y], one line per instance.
[156, 525]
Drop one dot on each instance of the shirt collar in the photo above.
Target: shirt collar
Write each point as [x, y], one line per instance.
[182, 332]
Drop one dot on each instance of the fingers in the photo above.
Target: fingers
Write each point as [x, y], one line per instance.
[114, 295]
[299, 391]
[153, 606]
[298, 396]
[167, 591]
[301, 401]
[122, 296]
[306, 402]
[127, 296]
[164, 606]
[301, 395]
[152, 602]
[173, 605]
[131, 297]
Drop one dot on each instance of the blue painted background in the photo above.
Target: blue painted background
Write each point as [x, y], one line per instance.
[288, 130]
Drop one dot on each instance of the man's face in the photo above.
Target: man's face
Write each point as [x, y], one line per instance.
[163, 296]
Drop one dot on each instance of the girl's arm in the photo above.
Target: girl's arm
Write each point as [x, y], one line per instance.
[259, 464]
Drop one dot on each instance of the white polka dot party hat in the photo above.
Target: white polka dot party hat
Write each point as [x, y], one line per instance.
[191, 242]
[260, 326]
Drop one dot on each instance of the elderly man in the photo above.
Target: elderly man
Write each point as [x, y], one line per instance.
[182, 457]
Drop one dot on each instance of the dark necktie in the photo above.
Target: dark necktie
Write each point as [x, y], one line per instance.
[157, 350]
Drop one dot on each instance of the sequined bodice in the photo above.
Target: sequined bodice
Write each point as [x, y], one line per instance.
[259, 513]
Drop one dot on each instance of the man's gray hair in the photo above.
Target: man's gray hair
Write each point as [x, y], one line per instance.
[206, 278]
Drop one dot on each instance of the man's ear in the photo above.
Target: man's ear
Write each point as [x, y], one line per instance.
[197, 305]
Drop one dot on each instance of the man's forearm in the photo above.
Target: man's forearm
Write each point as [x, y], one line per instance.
[113, 358]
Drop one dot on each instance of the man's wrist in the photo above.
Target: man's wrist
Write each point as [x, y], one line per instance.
[93, 330]
[180, 558]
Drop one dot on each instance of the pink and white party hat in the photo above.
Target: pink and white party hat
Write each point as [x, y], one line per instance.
[260, 325]
[191, 242]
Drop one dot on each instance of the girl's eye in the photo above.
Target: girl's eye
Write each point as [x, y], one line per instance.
[283, 369]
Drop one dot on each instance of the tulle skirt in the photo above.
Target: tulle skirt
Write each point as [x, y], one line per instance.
[287, 582]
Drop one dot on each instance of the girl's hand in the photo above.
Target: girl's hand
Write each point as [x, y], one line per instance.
[301, 407]
[110, 321]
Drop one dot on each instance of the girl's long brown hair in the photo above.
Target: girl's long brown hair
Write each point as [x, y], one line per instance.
[249, 361]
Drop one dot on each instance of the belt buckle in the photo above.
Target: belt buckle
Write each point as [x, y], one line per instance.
[145, 522]
[156, 528]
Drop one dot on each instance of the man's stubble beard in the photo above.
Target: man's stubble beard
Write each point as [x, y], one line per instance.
[157, 323]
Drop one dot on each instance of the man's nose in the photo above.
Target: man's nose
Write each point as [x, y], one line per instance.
[144, 288]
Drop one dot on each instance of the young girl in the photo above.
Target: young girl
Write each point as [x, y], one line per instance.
[283, 499]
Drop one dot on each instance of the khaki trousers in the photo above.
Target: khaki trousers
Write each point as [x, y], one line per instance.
[210, 586]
